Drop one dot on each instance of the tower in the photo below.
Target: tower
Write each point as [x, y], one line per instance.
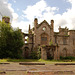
[6, 19]
[52, 31]
[29, 30]
[52, 24]
[35, 22]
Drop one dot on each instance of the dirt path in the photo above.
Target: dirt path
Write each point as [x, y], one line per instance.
[47, 69]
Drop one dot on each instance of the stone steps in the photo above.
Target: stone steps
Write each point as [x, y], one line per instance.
[65, 64]
[31, 63]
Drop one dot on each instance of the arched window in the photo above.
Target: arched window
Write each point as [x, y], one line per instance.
[64, 41]
[26, 52]
[44, 39]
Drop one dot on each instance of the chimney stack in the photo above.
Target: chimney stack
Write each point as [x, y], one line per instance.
[52, 24]
[35, 22]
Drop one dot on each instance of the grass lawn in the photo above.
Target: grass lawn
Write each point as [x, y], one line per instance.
[35, 60]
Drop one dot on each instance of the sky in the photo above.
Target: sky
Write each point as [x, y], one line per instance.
[23, 12]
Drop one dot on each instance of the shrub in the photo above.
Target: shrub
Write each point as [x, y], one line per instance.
[50, 43]
[33, 55]
[39, 52]
[67, 58]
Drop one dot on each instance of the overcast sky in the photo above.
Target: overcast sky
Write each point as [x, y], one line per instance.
[23, 12]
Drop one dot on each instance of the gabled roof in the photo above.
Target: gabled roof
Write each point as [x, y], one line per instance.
[42, 23]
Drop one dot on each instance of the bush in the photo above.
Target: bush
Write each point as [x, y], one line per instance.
[67, 58]
[50, 43]
[34, 55]
[11, 41]
[39, 53]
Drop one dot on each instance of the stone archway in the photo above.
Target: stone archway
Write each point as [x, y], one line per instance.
[64, 52]
[26, 52]
[50, 51]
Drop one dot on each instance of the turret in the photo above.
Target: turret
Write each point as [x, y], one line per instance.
[6, 19]
[35, 22]
[52, 24]
[29, 30]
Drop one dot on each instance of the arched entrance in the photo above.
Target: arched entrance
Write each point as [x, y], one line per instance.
[64, 52]
[26, 52]
[44, 39]
[50, 53]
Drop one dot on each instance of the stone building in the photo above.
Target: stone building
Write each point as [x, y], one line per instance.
[52, 43]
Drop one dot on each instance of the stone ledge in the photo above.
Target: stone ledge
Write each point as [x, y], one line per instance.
[4, 63]
[15, 70]
[2, 72]
[65, 64]
[27, 63]
[54, 72]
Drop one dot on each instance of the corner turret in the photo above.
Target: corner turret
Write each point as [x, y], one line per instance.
[29, 30]
[6, 19]
[35, 22]
[52, 24]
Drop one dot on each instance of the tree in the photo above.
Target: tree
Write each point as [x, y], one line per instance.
[11, 41]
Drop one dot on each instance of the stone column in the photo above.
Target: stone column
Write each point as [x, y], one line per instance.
[56, 53]
[43, 53]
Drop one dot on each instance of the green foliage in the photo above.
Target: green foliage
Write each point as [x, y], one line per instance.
[39, 52]
[34, 60]
[34, 55]
[6, 16]
[10, 41]
[50, 58]
[67, 58]
[27, 40]
[50, 43]
[43, 45]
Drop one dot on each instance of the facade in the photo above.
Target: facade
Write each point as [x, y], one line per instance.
[52, 44]
[43, 35]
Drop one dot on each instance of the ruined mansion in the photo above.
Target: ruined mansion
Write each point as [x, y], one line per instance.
[51, 43]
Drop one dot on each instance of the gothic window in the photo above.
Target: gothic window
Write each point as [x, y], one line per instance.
[55, 39]
[44, 38]
[44, 28]
[26, 39]
[64, 41]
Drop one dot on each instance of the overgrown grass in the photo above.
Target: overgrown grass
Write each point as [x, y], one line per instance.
[3, 60]
[35, 60]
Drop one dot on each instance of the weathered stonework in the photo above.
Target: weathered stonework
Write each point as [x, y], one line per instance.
[43, 34]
